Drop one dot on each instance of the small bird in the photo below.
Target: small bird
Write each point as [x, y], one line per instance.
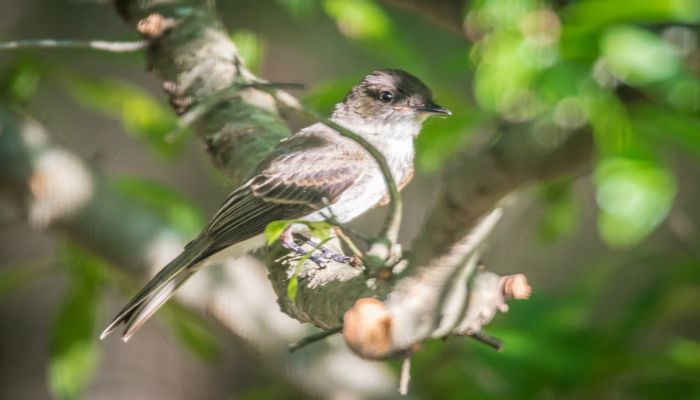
[310, 175]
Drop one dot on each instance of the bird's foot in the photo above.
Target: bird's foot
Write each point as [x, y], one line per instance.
[329, 254]
[320, 255]
[288, 242]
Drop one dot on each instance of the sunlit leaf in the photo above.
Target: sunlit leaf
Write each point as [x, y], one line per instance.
[193, 331]
[250, 47]
[634, 196]
[141, 115]
[685, 353]
[358, 18]
[300, 9]
[19, 81]
[610, 121]
[637, 56]
[274, 230]
[74, 352]
[171, 205]
[319, 229]
[592, 14]
[292, 287]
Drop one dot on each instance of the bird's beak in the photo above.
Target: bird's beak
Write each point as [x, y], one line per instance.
[432, 108]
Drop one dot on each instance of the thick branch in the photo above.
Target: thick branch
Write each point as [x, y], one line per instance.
[191, 52]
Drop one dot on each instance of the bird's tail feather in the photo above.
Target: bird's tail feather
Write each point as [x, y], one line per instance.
[158, 290]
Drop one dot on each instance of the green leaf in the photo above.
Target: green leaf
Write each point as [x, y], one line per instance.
[440, 140]
[178, 211]
[193, 331]
[685, 353]
[639, 57]
[300, 9]
[19, 80]
[292, 287]
[73, 351]
[250, 47]
[667, 126]
[274, 230]
[320, 230]
[360, 19]
[634, 196]
[141, 115]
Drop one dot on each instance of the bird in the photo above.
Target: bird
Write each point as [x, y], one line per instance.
[313, 173]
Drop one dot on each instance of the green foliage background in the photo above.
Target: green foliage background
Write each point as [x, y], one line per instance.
[623, 326]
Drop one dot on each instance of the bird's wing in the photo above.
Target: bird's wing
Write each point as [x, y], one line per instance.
[304, 171]
[302, 175]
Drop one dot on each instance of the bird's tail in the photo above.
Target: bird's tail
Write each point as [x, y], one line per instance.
[158, 290]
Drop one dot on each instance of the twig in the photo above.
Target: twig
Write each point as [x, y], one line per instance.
[405, 375]
[345, 238]
[488, 340]
[114, 47]
[313, 338]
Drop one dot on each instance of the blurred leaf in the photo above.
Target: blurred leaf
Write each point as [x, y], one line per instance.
[611, 125]
[595, 14]
[685, 353]
[637, 56]
[559, 211]
[19, 80]
[74, 353]
[193, 331]
[667, 126]
[634, 196]
[684, 94]
[320, 230]
[292, 287]
[251, 49]
[504, 13]
[300, 9]
[141, 115]
[178, 211]
[362, 19]
[440, 140]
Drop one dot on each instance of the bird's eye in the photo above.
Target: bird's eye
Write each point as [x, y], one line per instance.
[386, 97]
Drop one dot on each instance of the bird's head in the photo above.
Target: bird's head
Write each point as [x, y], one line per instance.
[389, 97]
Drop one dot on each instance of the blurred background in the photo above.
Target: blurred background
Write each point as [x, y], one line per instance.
[613, 254]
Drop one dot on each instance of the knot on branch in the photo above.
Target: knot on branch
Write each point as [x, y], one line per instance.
[367, 328]
[155, 25]
[59, 186]
[516, 287]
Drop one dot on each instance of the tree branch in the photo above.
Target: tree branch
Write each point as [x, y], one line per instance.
[113, 47]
